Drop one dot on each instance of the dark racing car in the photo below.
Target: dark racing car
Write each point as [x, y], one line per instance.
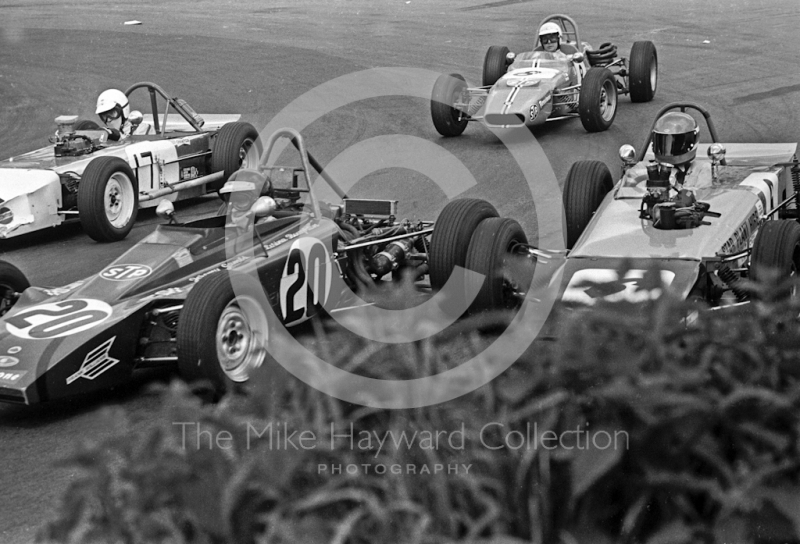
[172, 299]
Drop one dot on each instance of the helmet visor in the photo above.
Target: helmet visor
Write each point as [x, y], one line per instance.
[111, 114]
[549, 38]
[673, 145]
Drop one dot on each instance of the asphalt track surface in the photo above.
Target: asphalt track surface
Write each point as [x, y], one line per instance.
[734, 56]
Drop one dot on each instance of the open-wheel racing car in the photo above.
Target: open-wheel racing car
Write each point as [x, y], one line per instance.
[171, 299]
[537, 86]
[728, 233]
[173, 154]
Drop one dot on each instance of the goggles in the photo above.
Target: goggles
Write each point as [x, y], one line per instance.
[549, 38]
[111, 114]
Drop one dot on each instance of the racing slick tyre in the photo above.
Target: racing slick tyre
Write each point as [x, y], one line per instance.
[504, 276]
[586, 186]
[223, 334]
[452, 234]
[448, 120]
[597, 103]
[232, 151]
[12, 282]
[494, 64]
[86, 124]
[108, 199]
[775, 259]
[643, 76]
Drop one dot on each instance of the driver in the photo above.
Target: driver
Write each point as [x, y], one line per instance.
[114, 110]
[675, 139]
[550, 40]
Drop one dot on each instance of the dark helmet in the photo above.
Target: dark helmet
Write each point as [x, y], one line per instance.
[675, 138]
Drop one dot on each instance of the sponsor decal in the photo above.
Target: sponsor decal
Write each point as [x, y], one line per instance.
[96, 362]
[190, 172]
[11, 377]
[284, 239]
[183, 257]
[56, 319]
[7, 361]
[168, 292]
[545, 99]
[740, 240]
[591, 284]
[534, 111]
[58, 291]
[306, 279]
[126, 272]
[223, 266]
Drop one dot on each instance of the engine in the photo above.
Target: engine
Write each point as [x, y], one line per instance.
[377, 245]
[67, 142]
[669, 211]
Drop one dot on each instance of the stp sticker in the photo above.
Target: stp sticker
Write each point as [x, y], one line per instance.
[125, 272]
[96, 362]
[7, 361]
[57, 319]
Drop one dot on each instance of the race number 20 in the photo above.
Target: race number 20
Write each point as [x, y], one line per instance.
[57, 319]
[306, 279]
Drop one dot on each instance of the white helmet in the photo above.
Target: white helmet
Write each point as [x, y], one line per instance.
[550, 28]
[112, 104]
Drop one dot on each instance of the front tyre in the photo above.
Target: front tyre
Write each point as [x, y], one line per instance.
[223, 334]
[597, 103]
[775, 259]
[12, 283]
[586, 186]
[494, 64]
[644, 71]
[232, 151]
[452, 234]
[108, 199]
[506, 276]
[447, 90]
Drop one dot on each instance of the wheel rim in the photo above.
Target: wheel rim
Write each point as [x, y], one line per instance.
[608, 101]
[653, 75]
[242, 334]
[118, 200]
[246, 159]
[456, 113]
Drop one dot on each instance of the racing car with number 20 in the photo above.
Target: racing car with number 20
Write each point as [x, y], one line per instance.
[173, 299]
[103, 183]
[533, 87]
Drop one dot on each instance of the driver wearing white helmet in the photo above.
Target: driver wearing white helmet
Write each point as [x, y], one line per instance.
[550, 40]
[114, 110]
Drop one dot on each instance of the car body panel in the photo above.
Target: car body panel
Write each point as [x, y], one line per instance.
[86, 336]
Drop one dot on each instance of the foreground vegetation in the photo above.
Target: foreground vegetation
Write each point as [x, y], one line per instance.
[705, 419]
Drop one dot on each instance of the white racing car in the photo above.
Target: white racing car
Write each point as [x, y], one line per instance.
[173, 154]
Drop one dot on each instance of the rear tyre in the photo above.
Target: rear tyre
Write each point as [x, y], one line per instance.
[86, 124]
[232, 151]
[12, 283]
[494, 64]
[644, 71]
[586, 186]
[223, 335]
[775, 259]
[597, 103]
[505, 275]
[452, 234]
[108, 199]
[446, 118]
